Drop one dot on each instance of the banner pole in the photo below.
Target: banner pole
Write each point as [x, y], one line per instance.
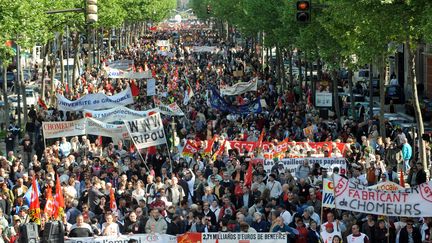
[145, 161]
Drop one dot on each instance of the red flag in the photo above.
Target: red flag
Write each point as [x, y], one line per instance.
[67, 89]
[151, 150]
[59, 204]
[134, 88]
[34, 209]
[220, 150]
[189, 149]
[402, 179]
[208, 150]
[260, 139]
[113, 204]
[132, 148]
[49, 205]
[248, 175]
[42, 104]
[279, 102]
[88, 114]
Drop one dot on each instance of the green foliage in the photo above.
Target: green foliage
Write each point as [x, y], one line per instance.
[111, 13]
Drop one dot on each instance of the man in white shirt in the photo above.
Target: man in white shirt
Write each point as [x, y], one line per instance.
[285, 215]
[357, 236]
[329, 232]
[274, 186]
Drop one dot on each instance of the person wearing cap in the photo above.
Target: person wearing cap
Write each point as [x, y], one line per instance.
[329, 232]
[10, 233]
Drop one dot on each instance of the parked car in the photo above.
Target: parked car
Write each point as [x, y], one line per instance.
[425, 108]
[395, 93]
[10, 79]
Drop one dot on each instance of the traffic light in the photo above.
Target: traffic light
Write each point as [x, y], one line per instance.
[208, 9]
[91, 11]
[303, 11]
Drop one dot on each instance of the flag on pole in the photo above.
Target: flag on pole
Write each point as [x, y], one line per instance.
[42, 104]
[220, 150]
[248, 175]
[34, 209]
[49, 205]
[402, 179]
[189, 149]
[113, 204]
[260, 139]
[59, 204]
[134, 88]
[188, 93]
[209, 148]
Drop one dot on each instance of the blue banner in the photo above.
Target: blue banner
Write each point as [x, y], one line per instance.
[219, 103]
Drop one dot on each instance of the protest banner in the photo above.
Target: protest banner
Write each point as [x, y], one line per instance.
[95, 101]
[324, 99]
[204, 48]
[142, 238]
[291, 164]
[151, 87]
[240, 88]
[116, 114]
[409, 202]
[64, 129]
[146, 132]
[98, 128]
[328, 194]
[228, 237]
[163, 45]
[121, 64]
[170, 110]
[217, 102]
[118, 73]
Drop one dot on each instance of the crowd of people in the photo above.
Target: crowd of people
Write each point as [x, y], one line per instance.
[162, 191]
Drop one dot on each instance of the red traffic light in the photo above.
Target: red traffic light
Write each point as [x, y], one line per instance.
[303, 5]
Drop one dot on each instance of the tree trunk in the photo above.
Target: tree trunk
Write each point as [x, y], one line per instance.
[351, 91]
[284, 82]
[382, 70]
[46, 54]
[370, 92]
[336, 95]
[5, 97]
[418, 115]
[109, 42]
[300, 80]
[52, 74]
[61, 56]
[75, 43]
[278, 61]
[291, 78]
[24, 98]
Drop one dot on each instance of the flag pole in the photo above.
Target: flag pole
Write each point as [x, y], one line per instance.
[145, 161]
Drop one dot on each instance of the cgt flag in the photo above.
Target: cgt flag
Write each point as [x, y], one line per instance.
[59, 204]
[34, 209]
[49, 205]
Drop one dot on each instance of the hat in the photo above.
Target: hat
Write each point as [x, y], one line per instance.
[16, 217]
[158, 194]
[329, 226]
[25, 207]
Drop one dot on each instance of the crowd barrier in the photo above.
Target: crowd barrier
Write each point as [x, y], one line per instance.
[220, 237]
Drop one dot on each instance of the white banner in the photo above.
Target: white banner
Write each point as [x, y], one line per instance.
[64, 129]
[121, 64]
[204, 49]
[95, 101]
[118, 73]
[119, 113]
[142, 238]
[146, 132]
[240, 88]
[228, 237]
[98, 128]
[171, 110]
[323, 99]
[292, 164]
[151, 87]
[407, 202]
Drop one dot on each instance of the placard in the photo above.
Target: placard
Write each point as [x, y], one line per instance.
[146, 132]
